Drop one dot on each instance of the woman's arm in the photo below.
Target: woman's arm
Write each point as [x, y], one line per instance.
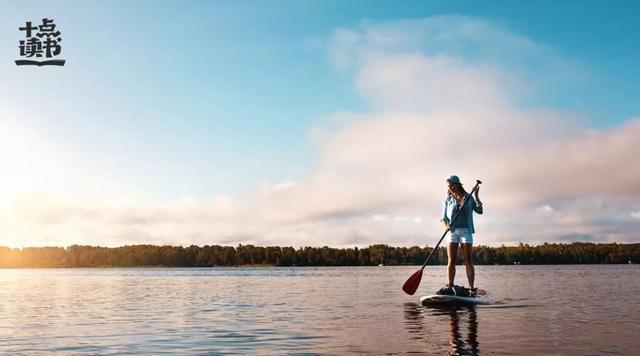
[477, 207]
[445, 219]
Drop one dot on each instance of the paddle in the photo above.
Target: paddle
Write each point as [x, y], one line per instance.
[411, 285]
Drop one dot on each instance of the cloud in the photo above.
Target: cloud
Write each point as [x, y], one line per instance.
[545, 209]
[445, 98]
[442, 103]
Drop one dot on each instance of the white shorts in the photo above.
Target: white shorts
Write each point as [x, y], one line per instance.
[461, 235]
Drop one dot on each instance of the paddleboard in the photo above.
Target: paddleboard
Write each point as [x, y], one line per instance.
[483, 297]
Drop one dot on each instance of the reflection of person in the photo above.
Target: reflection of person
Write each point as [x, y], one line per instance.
[420, 323]
[457, 343]
[461, 229]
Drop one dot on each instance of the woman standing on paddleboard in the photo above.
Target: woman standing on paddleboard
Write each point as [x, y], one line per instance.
[461, 229]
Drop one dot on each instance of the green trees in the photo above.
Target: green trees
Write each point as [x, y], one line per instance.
[215, 255]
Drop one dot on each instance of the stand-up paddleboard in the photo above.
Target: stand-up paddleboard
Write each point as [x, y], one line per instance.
[482, 297]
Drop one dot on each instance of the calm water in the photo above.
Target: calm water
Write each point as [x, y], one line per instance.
[560, 310]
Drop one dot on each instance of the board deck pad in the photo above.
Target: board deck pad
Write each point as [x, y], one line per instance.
[483, 297]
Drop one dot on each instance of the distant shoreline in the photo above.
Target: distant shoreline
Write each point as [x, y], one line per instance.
[165, 267]
[153, 256]
[284, 267]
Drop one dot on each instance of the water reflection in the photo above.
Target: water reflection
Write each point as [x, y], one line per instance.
[460, 346]
[429, 324]
[414, 320]
[334, 311]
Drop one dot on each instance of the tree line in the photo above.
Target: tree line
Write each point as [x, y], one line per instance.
[242, 255]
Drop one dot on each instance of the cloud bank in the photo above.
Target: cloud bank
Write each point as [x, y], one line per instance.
[445, 98]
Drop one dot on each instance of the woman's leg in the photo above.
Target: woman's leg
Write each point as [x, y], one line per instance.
[452, 254]
[468, 263]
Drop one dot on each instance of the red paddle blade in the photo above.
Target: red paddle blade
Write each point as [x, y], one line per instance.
[411, 285]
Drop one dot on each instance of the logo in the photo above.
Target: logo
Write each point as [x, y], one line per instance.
[41, 44]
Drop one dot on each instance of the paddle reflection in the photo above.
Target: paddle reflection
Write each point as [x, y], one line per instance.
[460, 323]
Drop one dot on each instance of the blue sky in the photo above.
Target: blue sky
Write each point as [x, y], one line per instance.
[162, 100]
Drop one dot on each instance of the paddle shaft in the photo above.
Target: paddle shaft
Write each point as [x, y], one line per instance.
[451, 223]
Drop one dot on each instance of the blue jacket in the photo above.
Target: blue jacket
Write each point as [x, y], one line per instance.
[449, 204]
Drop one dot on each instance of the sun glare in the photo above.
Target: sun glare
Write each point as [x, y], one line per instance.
[26, 163]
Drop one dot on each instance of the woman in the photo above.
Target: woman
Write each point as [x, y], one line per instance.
[461, 229]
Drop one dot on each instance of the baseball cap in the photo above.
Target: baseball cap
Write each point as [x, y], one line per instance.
[454, 179]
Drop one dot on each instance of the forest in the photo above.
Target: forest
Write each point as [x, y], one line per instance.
[249, 255]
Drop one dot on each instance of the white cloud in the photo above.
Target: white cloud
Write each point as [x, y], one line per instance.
[444, 96]
[440, 111]
[545, 209]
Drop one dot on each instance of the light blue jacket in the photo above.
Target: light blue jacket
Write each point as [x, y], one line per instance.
[450, 203]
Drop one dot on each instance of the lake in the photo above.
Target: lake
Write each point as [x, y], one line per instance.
[561, 310]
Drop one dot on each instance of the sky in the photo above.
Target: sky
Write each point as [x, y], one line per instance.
[312, 123]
